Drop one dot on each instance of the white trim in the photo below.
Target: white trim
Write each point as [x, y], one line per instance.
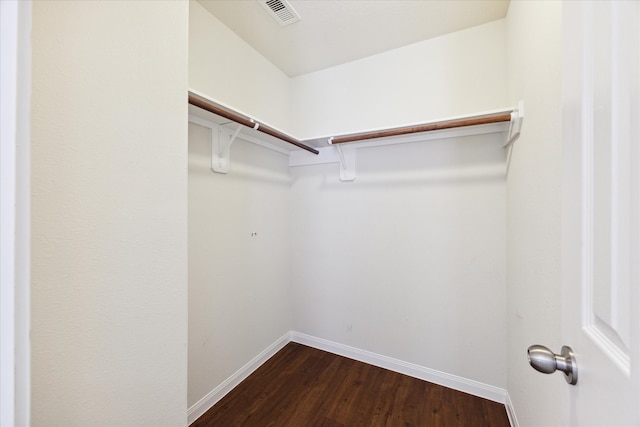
[15, 86]
[511, 411]
[455, 382]
[211, 398]
[214, 127]
[264, 144]
[8, 140]
[305, 158]
[329, 154]
[346, 157]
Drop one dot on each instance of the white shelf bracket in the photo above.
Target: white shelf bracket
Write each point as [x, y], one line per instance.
[220, 149]
[515, 125]
[347, 159]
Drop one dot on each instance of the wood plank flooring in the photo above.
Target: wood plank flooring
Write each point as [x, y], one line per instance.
[301, 386]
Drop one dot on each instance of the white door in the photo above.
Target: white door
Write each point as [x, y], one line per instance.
[601, 216]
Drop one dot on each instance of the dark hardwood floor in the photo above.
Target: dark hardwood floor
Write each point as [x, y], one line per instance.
[301, 386]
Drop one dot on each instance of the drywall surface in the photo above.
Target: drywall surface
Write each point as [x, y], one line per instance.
[407, 261]
[534, 190]
[109, 213]
[456, 74]
[239, 266]
[459, 73]
[225, 68]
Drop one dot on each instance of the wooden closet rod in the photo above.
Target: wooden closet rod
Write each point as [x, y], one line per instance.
[447, 124]
[248, 122]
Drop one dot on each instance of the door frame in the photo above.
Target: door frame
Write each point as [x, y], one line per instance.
[15, 84]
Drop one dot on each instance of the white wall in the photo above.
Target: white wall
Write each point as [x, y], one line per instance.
[407, 261]
[239, 284]
[459, 73]
[534, 189]
[239, 267]
[109, 213]
[227, 69]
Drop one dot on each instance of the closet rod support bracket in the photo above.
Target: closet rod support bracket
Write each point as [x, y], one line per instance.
[347, 157]
[221, 141]
[515, 125]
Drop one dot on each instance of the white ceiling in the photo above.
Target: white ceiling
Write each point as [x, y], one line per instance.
[334, 32]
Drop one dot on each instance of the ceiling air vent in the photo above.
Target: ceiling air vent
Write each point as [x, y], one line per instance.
[281, 11]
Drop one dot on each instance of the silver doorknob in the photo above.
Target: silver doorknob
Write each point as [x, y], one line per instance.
[544, 360]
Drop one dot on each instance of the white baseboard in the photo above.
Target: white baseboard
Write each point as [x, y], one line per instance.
[465, 385]
[475, 388]
[511, 413]
[211, 398]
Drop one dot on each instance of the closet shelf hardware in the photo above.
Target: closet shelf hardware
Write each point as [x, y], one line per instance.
[220, 152]
[347, 158]
[506, 121]
[260, 127]
[515, 125]
[225, 151]
[447, 124]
